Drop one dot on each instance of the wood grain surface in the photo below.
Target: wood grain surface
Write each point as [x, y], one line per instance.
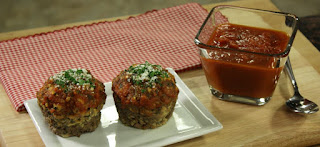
[244, 125]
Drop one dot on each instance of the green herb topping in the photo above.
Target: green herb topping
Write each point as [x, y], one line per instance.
[146, 73]
[73, 78]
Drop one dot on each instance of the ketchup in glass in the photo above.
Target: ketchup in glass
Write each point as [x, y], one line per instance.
[241, 73]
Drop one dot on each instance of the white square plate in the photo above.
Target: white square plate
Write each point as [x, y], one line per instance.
[190, 119]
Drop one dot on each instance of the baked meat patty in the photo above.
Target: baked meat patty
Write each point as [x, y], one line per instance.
[145, 95]
[71, 102]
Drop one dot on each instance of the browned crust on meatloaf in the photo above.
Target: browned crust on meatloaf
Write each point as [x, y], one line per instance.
[142, 105]
[72, 109]
[131, 116]
[73, 126]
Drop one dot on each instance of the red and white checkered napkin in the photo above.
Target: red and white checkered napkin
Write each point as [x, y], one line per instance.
[162, 37]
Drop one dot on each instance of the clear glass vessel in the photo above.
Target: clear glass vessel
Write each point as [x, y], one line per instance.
[246, 75]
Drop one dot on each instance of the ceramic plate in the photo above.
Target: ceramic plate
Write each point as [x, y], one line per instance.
[190, 119]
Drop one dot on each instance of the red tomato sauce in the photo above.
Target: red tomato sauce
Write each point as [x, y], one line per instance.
[244, 74]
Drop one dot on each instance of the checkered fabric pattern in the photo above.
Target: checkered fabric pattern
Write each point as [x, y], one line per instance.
[162, 37]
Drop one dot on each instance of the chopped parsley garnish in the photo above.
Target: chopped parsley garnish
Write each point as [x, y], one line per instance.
[146, 73]
[73, 78]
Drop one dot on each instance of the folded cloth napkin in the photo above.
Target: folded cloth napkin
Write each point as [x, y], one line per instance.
[162, 37]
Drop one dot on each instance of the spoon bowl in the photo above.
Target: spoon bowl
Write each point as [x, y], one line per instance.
[301, 105]
[298, 103]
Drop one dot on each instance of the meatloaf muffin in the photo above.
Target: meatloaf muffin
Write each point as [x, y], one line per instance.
[145, 95]
[71, 102]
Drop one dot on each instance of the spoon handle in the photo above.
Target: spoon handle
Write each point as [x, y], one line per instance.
[291, 75]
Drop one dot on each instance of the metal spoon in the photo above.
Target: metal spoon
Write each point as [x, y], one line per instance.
[297, 103]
